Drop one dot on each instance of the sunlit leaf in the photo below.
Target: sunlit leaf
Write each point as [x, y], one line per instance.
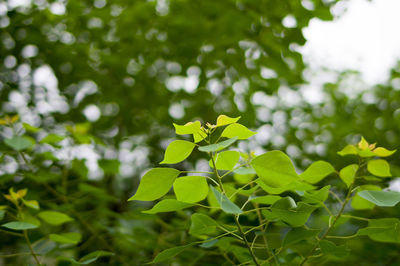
[382, 152]
[226, 160]
[155, 184]
[317, 171]
[348, 173]
[237, 130]
[359, 203]
[274, 168]
[177, 151]
[191, 189]
[379, 168]
[348, 150]
[223, 120]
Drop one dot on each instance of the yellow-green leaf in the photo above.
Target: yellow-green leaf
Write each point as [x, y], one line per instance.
[237, 130]
[348, 150]
[274, 168]
[191, 189]
[226, 160]
[379, 168]
[177, 151]
[348, 173]
[155, 184]
[224, 120]
[382, 152]
[359, 203]
[317, 171]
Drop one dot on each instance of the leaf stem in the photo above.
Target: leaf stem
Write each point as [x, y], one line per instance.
[245, 241]
[344, 203]
[30, 247]
[236, 216]
[197, 172]
[355, 217]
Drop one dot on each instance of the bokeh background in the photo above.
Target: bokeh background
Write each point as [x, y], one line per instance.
[111, 77]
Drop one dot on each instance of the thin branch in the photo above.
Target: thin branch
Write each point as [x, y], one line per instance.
[30, 247]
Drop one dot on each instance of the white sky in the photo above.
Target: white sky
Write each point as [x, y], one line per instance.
[365, 38]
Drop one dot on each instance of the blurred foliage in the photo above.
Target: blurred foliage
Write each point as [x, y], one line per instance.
[89, 90]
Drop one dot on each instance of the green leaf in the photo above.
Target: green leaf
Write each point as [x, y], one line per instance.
[226, 160]
[382, 230]
[19, 143]
[155, 184]
[209, 244]
[359, 203]
[274, 168]
[237, 130]
[168, 205]
[329, 248]
[316, 197]
[286, 210]
[188, 128]
[348, 173]
[30, 128]
[19, 226]
[177, 151]
[293, 186]
[348, 150]
[366, 153]
[317, 171]
[268, 199]
[52, 139]
[2, 213]
[217, 146]
[89, 258]
[379, 168]
[191, 189]
[66, 238]
[170, 253]
[382, 152]
[202, 225]
[193, 128]
[223, 120]
[31, 204]
[381, 198]
[54, 218]
[93, 256]
[298, 234]
[225, 204]
[109, 167]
